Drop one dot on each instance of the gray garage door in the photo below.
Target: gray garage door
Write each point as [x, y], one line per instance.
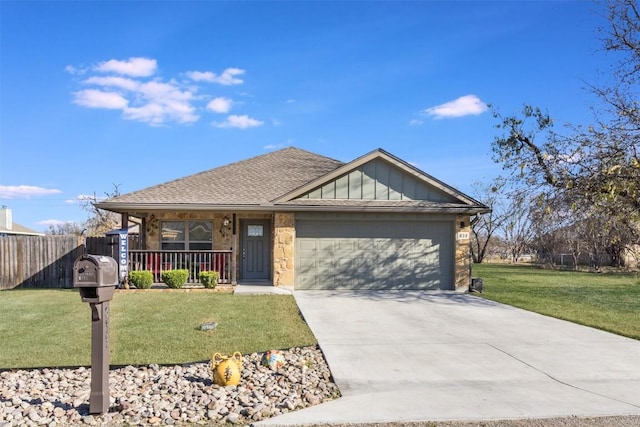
[379, 254]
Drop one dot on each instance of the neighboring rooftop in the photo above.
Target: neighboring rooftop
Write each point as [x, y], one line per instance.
[8, 227]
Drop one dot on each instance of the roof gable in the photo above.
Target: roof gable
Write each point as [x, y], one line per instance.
[377, 175]
[378, 180]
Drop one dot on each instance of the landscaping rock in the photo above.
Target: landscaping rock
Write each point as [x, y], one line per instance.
[208, 326]
[167, 395]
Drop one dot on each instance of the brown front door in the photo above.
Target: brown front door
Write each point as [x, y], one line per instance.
[256, 245]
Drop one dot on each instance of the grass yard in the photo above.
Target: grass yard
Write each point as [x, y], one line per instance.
[605, 301]
[46, 328]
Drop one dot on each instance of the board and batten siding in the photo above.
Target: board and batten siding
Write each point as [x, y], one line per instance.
[378, 180]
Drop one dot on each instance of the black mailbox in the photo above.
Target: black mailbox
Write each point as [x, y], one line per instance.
[96, 276]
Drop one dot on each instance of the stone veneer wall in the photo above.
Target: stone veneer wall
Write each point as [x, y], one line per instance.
[463, 254]
[284, 237]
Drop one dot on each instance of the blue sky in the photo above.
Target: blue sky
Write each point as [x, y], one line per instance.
[135, 93]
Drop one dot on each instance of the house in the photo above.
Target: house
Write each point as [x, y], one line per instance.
[298, 219]
[10, 228]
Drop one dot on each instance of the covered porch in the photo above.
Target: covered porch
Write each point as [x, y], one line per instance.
[245, 248]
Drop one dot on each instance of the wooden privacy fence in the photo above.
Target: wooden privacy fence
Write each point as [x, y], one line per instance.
[47, 261]
[38, 261]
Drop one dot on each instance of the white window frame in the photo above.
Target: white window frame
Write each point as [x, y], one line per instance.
[186, 242]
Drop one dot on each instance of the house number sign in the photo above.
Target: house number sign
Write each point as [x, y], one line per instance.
[463, 235]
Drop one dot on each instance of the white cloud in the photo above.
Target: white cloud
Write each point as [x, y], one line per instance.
[241, 122]
[463, 106]
[25, 191]
[74, 70]
[150, 102]
[290, 101]
[415, 122]
[93, 98]
[156, 101]
[220, 105]
[201, 76]
[227, 77]
[157, 113]
[273, 146]
[163, 102]
[114, 81]
[135, 67]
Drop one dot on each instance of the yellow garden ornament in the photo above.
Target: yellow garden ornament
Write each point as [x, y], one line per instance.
[226, 369]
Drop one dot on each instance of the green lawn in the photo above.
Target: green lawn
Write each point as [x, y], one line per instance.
[602, 300]
[41, 328]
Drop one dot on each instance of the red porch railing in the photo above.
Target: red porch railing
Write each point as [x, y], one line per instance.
[194, 261]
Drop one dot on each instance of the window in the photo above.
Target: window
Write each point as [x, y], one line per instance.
[254, 231]
[187, 235]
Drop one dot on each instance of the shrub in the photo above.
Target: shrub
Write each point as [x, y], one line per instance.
[208, 278]
[142, 279]
[175, 278]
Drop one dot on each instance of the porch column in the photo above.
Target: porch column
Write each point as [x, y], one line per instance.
[284, 234]
[462, 269]
[234, 251]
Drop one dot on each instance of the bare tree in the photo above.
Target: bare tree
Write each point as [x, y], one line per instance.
[66, 228]
[100, 221]
[555, 224]
[592, 166]
[485, 226]
[516, 229]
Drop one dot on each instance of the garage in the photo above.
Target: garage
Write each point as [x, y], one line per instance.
[374, 252]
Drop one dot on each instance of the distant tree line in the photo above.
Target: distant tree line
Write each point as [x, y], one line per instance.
[577, 188]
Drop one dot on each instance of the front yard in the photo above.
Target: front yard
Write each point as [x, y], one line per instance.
[601, 300]
[51, 328]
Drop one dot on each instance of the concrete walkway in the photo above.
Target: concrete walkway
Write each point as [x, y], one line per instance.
[261, 289]
[425, 356]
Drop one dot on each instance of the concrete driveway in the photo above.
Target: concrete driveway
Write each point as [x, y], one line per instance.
[428, 356]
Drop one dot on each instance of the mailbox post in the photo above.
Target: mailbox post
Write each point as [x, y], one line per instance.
[97, 277]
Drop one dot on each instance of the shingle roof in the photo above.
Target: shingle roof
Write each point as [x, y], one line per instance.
[17, 229]
[253, 181]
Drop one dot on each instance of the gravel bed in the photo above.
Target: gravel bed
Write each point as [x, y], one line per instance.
[167, 395]
[184, 395]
